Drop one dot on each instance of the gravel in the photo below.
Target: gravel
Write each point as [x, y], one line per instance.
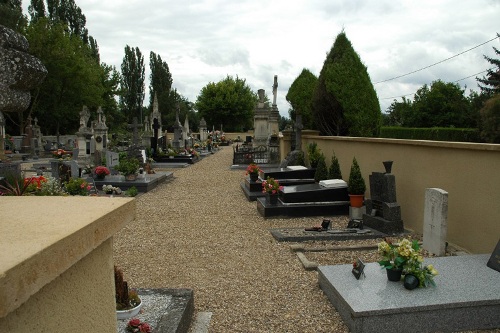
[198, 231]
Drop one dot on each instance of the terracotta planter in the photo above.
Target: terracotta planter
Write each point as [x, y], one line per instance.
[356, 200]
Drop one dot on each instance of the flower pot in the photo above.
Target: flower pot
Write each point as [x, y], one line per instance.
[131, 177]
[100, 177]
[125, 314]
[272, 199]
[356, 200]
[411, 281]
[254, 177]
[394, 274]
[387, 166]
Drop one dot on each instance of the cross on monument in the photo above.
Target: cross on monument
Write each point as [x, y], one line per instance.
[135, 126]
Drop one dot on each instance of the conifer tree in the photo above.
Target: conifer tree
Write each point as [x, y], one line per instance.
[334, 170]
[491, 83]
[321, 170]
[345, 102]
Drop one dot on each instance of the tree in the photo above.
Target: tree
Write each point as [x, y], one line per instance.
[399, 113]
[12, 16]
[300, 97]
[344, 101]
[229, 102]
[490, 120]
[160, 83]
[491, 83]
[132, 85]
[74, 78]
[111, 84]
[441, 105]
[334, 170]
[321, 169]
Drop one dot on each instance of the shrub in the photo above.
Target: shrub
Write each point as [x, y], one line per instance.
[334, 171]
[321, 170]
[356, 184]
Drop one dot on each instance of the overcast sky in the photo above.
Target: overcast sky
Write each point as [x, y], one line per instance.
[202, 41]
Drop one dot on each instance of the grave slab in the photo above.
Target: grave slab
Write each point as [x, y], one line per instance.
[300, 235]
[143, 184]
[339, 208]
[467, 297]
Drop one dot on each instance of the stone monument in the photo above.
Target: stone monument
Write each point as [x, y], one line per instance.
[20, 73]
[203, 129]
[260, 121]
[176, 143]
[383, 213]
[84, 134]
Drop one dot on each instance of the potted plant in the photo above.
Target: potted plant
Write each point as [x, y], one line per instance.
[271, 188]
[77, 186]
[101, 172]
[356, 185]
[128, 302]
[334, 170]
[395, 256]
[129, 167]
[253, 170]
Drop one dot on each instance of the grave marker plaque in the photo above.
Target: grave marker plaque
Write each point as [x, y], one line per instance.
[494, 262]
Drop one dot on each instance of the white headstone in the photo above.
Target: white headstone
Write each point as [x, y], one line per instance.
[112, 159]
[435, 221]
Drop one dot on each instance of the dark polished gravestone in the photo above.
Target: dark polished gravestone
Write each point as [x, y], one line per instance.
[144, 182]
[382, 211]
[307, 200]
[466, 297]
[284, 176]
[189, 159]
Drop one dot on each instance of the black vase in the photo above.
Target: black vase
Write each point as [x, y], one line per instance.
[411, 281]
[387, 166]
[254, 177]
[394, 274]
[272, 199]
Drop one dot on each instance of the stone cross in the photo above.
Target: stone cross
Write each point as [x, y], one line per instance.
[275, 89]
[435, 221]
[135, 126]
[154, 139]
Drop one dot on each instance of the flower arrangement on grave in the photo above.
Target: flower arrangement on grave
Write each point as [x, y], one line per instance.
[271, 186]
[88, 168]
[406, 255]
[101, 171]
[125, 298]
[128, 166]
[110, 189]
[171, 152]
[137, 326]
[77, 186]
[62, 154]
[253, 168]
[16, 186]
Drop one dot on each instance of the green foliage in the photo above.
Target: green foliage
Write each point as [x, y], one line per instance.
[74, 78]
[313, 154]
[12, 16]
[334, 170]
[15, 185]
[434, 134]
[128, 166]
[490, 120]
[160, 84]
[229, 103]
[77, 186]
[132, 84]
[491, 83]
[321, 169]
[300, 97]
[344, 101]
[356, 184]
[131, 192]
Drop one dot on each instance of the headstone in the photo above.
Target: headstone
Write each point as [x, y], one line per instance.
[135, 131]
[112, 159]
[75, 169]
[176, 143]
[261, 121]
[383, 213]
[435, 221]
[154, 138]
[494, 261]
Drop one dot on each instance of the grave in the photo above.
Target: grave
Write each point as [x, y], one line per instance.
[435, 221]
[466, 297]
[383, 213]
[143, 183]
[285, 176]
[307, 200]
[300, 235]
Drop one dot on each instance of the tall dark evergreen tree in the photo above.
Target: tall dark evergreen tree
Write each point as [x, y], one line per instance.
[132, 85]
[300, 97]
[160, 83]
[12, 16]
[345, 102]
[491, 83]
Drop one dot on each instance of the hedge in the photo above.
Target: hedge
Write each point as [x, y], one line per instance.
[435, 134]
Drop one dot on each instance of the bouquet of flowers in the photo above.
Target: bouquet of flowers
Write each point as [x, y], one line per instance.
[253, 169]
[101, 171]
[396, 255]
[271, 186]
[135, 325]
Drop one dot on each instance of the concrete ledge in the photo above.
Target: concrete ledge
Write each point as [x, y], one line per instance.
[42, 237]
[467, 297]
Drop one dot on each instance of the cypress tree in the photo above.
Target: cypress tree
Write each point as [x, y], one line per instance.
[345, 102]
[334, 171]
[321, 170]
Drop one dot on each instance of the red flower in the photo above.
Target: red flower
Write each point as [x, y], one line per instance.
[134, 322]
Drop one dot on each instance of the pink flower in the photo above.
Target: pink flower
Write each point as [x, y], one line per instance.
[144, 328]
[134, 322]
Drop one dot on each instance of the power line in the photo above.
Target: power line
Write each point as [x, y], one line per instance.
[418, 70]
[451, 81]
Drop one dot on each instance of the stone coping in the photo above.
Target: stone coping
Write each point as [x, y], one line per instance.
[466, 296]
[43, 236]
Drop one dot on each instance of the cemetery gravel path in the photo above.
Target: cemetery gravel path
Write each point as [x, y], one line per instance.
[198, 231]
